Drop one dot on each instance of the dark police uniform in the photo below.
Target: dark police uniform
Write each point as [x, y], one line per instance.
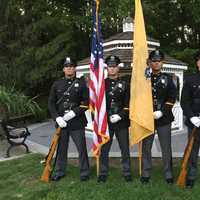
[164, 96]
[190, 103]
[117, 102]
[61, 100]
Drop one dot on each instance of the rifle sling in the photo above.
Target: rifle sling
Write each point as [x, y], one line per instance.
[67, 91]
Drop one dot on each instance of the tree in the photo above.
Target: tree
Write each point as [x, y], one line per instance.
[36, 38]
[175, 23]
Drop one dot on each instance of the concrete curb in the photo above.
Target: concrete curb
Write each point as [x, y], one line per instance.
[38, 148]
[12, 158]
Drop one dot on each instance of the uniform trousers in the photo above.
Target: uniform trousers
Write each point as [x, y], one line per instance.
[78, 137]
[164, 136]
[192, 165]
[122, 136]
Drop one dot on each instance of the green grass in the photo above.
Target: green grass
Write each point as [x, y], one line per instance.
[20, 179]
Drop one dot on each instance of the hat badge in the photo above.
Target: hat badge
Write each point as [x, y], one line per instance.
[68, 59]
[112, 58]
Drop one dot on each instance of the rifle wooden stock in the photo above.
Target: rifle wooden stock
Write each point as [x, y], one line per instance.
[182, 176]
[47, 170]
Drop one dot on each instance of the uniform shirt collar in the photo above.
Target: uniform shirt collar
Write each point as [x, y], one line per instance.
[70, 79]
[116, 79]
[156, 75]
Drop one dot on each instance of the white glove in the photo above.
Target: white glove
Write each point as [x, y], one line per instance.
[195, 121]
[157, 114]
[71, 114]
[115, 118]
[61, 122]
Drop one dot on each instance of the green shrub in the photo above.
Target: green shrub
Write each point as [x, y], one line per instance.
[14, 103]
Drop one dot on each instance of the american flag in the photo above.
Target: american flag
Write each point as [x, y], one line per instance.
[97, 85]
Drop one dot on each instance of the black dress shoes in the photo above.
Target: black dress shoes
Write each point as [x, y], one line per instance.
[57, 177]
[102, 179]
[144, 180]
[189, 183]
[170, 181]
[128, 178]
[84, 178]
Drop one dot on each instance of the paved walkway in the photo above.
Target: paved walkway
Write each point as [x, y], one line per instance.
[41, 134]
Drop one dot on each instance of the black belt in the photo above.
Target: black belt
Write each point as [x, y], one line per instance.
[196, 101]
[69, 105]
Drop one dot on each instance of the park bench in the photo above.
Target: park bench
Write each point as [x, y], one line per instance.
[16, 132]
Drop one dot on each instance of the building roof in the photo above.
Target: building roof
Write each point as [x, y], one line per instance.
[125, 56]
[126, 36]
[121, 45]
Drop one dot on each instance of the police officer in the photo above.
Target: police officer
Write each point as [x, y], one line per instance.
[117, 102]
[68, 101]
[164, 96]
[190, 102]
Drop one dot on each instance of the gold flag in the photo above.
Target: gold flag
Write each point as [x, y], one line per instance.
[141, 105]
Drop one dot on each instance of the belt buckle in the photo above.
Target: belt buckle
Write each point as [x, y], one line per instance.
[66, 111]
[155, 102]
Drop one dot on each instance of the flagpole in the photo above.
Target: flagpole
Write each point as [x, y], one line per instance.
[97, 16]
[97, 163]
[140, 157]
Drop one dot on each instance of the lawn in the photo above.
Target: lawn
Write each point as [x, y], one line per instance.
[20, 179]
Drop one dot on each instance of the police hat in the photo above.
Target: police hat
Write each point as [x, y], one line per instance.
[197, 56]
[112, 60]
[156, 55]
[69, 62]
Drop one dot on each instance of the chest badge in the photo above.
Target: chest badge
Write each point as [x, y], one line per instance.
[163, 81]
[76, 85]
[120, 85]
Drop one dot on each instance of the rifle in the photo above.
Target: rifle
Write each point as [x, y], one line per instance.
[48, 169]
[182, 176]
